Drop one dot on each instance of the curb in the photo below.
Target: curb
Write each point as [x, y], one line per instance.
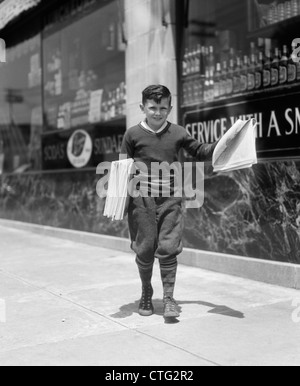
[280, 274]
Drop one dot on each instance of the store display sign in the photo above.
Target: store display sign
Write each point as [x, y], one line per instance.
[278, 129]
[81, 148]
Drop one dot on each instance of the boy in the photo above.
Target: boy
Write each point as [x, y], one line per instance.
[156, 221]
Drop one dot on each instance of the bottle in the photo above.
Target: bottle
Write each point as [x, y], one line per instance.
[207, 87]
[267, 69]
[104, 108]
[206, 59]
[190, 92]
[198, 59]
[237, 76]
[199, 87]
[259, 71]
[223, 81]
[295, 8]
[217, 81]
[189, 63]
[251, 70]
[275, 69]
[194, 92]
[283, 66]
[292, 70]
[185, 63]
[244, 75]
[184, 94]
[288, 9]
[229, 85]
[193, 62]
[211, 85]
[211, 60]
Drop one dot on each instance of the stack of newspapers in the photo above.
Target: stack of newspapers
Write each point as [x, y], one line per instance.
[237, 148]
[117, 193]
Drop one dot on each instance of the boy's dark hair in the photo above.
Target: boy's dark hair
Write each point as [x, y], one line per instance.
[156, 93]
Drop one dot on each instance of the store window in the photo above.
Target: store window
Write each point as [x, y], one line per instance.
[84, 84]
[21, 106]
[240, 61]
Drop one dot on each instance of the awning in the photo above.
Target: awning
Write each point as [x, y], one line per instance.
[10, 9]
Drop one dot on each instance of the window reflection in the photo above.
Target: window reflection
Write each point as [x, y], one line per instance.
[85, 71]
[20, 107]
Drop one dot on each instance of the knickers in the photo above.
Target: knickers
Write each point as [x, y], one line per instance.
[156, 229]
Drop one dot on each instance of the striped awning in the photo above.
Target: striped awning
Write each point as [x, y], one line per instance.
[10, 9]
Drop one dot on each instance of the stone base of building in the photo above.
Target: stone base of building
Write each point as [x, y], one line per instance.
[275, 273]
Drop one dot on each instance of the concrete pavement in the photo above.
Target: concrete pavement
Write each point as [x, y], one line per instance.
[65, 303]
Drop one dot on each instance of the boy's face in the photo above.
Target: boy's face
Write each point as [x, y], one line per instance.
[157, 114]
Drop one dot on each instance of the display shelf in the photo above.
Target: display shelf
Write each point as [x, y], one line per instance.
[118, 121]
[259, 94]
[276, 30]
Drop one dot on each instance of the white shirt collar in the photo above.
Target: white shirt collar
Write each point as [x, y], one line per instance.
[148, 128]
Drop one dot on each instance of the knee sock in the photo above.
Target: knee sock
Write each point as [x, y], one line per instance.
[145, 272]
[168, 271]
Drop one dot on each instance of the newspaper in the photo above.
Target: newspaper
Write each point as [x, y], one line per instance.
[117, 193]
[237, 148]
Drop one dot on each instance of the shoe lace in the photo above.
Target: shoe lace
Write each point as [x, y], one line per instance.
[171, 304]
[146, 301]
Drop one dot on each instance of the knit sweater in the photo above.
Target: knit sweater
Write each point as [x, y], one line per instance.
[164, 147]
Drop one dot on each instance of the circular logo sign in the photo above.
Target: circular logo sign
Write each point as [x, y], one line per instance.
[80, 149]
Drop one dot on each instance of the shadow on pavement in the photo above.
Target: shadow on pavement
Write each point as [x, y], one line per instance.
[129, 309]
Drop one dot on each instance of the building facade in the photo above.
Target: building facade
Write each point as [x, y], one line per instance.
[72, 84]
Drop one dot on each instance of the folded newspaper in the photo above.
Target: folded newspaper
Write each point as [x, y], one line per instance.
[117, 193]
[237, 148]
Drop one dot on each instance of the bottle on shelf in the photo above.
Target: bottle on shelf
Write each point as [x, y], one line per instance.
[184, 93]
[292, 70]
[189, 92]
[223, 81]
[217, 81]
[211, 60]
[229, 84]
[200, 90]
[244, 74]
[211, 95]
[203, 65]
[189, 63]
[267, 69]
[237, 76]
[281, 12]
[259, 71]
[275, 68]
[288, 9]
[295, 8]
[207, 87]
[283, 66]
[193, 62]
[252, 66]
[185, 63]
[198, 59]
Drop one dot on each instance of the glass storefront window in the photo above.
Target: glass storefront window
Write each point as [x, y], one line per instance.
[84, 84]
[21, 107]
[84, 71]
[238, 63]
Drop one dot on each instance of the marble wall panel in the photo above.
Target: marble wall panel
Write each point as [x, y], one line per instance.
[253, 213]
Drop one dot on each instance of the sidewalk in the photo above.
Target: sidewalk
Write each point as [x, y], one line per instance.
[68, 303]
